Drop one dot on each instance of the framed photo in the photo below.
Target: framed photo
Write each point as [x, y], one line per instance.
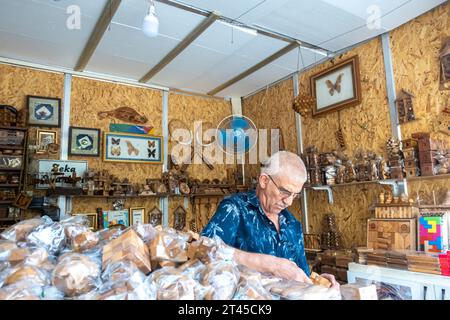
[84, 142]
[337, 87]
[44, 139]
[44, 112]
[118, 147]
[115, 217]
[23, 201]
[92, 217]
[137, 215]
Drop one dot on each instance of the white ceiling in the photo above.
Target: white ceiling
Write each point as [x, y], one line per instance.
[35, 31]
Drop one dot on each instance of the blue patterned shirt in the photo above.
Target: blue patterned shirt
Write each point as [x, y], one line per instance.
[241, 223]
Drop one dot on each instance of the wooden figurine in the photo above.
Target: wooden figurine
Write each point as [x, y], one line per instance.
[445, 65]
[179, 221]
[405, 108]
[155, 217]
[381, 198]
[350, 174]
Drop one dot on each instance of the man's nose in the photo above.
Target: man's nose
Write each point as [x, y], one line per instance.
[288, 201]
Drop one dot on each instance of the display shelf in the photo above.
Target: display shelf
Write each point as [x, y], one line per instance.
[11, 147]
[8, 185]
[116, 196]
[10, 169]
[439, 176]
[6, 201]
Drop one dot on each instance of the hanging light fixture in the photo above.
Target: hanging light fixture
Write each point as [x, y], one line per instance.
[150, 25]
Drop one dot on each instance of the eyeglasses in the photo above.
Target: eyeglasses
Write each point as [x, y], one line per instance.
[284, 193]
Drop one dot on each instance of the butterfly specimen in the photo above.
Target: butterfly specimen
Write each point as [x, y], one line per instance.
[131, 149]
[115, 141]
[336, 86]
[151, 144]
[115, 151]
[151, 153]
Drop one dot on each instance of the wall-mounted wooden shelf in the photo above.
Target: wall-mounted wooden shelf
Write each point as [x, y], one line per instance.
[439, 176]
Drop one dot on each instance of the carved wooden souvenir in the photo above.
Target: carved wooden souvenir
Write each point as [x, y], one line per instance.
[126, 114]
[405, 108]
[350, 174]
[155, 217]
[184, 188]
[303, 104]
[445, 65]
[391, 234]
[179, 218]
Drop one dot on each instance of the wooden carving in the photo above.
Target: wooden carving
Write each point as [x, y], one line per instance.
[445, 65]
[180, 218]
[155, 217]
[405, 107]
[126, 114]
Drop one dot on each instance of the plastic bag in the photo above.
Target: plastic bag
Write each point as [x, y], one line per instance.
[74, 225]
[192, 269]
[294, 290]
[5, 249]
[49, 236]
[19, 231]
[21, 291]
[223, 277]
[75, 274]
[145, 231]
[28, 273]
[169, 246]
[250, 286]
[51, 293]
[173, 285]
[210, 249]
[84, 241]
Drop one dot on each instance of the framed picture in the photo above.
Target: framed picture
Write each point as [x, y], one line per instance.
[92, 217]
[44, 139]
[337, 87]
[44, 112]
[84, 142]
[115, 217]
[120, 147]
[137, 215]
[23, 201]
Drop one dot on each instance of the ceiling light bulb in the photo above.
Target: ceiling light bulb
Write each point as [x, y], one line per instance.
[150, 25]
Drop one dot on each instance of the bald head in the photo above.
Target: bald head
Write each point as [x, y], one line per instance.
[285, 163]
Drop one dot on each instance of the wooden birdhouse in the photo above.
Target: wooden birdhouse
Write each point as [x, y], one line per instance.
[445, 64]
[154, 217]
[405, 108]
[179, 218]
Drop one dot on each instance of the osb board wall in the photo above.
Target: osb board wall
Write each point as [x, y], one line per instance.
[190, 109]
[351, 208]
[18, 82]
[90, 97]
[373, 111]
[415, 49]
[269, 109]
[423, 190]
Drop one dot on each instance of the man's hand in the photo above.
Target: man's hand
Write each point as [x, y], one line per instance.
[332, 279]
[286, 269]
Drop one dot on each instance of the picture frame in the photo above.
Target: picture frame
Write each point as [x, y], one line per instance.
[44, 138]
[84, 142]
[118, 147]
[23, 201]
[154, 217]
[93, 219]
[115, 217]
[337, 87]
[43, 111]
[137, 215]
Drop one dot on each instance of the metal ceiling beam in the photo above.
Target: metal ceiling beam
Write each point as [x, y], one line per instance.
[256, 67]
[108, 13]
[181, 46]
[263, 31]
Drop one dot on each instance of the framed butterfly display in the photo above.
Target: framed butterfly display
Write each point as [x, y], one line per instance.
[337, 87]
[119, 147]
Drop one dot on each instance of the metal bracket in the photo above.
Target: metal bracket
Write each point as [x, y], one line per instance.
[328, 190]
[397, 186]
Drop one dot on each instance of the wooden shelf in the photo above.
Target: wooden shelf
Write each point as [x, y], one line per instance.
[439, 176]
[7, 185]
[14, 128]
[137, 196]
[6, 201]
[12, 147]
[10, 169]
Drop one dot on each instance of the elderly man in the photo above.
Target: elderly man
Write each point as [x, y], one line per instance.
[269, 238]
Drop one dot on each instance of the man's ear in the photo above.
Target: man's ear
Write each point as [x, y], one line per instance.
[263, 181]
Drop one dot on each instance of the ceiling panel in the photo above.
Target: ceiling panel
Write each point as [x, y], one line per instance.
[36, 31]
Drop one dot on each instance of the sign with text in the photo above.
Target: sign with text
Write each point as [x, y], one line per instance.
[64, 168]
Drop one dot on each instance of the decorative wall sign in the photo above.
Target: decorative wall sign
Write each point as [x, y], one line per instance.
[44, 139]
[84, 142]
[126, 114]
[115, 217]
[137, 215]
[44, 112]
[119, 147]
[43, 169]
[336, 87]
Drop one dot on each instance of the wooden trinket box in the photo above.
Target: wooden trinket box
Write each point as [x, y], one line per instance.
[409, 143]
[426, 156]
[412, 172]
[410, 153]
[411, 163]
[391, 234]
